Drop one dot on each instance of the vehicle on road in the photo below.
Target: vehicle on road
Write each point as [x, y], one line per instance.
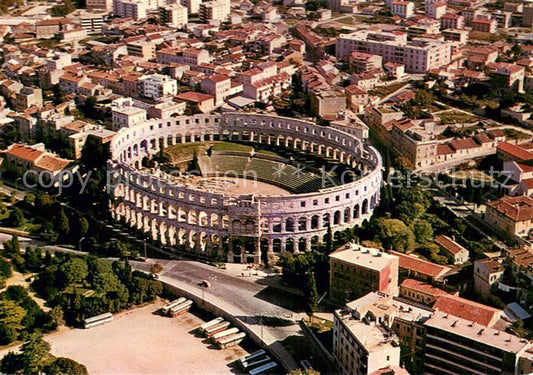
[249, 357]
[219, 327]
[217, 337]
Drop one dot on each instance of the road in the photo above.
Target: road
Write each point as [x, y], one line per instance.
[245, 298]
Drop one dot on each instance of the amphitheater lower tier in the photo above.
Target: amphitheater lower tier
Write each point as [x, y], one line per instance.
[210, 220]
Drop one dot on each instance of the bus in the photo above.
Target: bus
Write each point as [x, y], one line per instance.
[306, 365]
[216, 337]
[255, 362]
[261, 370]
[256, 354]
[219, 327]
[231, 340]
[165, 309]
[97, 320]
[210, 323]
[180, 309]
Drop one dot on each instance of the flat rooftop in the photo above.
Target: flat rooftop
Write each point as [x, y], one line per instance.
[361, 256]
[477, 332]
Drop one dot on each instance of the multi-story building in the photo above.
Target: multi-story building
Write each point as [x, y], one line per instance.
[157, 85]
[472, 311]
[99, 5]
[361, 62]
[189, 56]
[141, 48]
[459, 346]
[362, 344]
[327, 103]
[452, 21]
[218, 10]
[418, 55]
[512, 215]
[487, 272]
[28, 97]
[174, 15]
[193, 6]
[506, 76]
[420, 147]
[127, 116]
[134, 9]
[218, 85]
[404, 9]
[356, 270]
[484, 25]
[436, 10]
[392, 315]
[527, 14]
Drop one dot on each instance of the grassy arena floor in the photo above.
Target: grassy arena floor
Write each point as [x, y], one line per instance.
[185, 151]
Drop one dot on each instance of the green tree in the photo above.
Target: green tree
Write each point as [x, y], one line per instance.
[55, 317]
[62, 224]
[66, 366]
[35, 354]
[329, 240]
[311, 294]
[11, 316]
[394, 234]
[15, 218]
[423, 231]
[29, 198]
[74, 271]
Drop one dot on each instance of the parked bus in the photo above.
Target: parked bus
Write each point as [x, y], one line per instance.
[165, 309]
[231, 340]
[210, 323]
[216, 337]
[180, 309]
[219, 327]
[256, 362]
[261, 370]
[256, 354]
[97, 320]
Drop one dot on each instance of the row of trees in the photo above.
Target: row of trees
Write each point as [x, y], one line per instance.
[35, 358]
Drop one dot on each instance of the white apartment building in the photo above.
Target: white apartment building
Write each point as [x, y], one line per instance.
[217, 10]
[59, 60]
[174, 15]
[193, 6]
[189, 56]
[418, 55]
[130, 9]
[218, 85]
[157, 85]
[404, 9]
[436, 10]
[99, 5]
[361, 344]
[126, 116]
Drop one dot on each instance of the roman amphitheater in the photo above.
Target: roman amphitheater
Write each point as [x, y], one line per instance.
[267, 195]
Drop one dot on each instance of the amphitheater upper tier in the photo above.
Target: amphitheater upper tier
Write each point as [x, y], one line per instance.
[239, 227]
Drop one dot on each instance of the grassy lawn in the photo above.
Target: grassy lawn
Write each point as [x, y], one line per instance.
[346, 20]
[456, 117]
[386, 90]
[185, 151]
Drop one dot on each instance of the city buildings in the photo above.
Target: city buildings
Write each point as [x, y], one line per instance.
[487, 272]
[157, 85]
[174, 15]
[356, 270]
[457, 253]
[512, 215]
[457, 346]
[418, 55]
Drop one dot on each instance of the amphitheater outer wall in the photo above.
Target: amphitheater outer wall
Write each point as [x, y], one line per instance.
[238, 228]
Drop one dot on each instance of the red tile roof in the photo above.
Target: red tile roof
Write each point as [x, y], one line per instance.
[449, 244]
[515, 151]
[24, 152]
[420, 266]
[469, 310]
[423, 287]
[518, 208]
